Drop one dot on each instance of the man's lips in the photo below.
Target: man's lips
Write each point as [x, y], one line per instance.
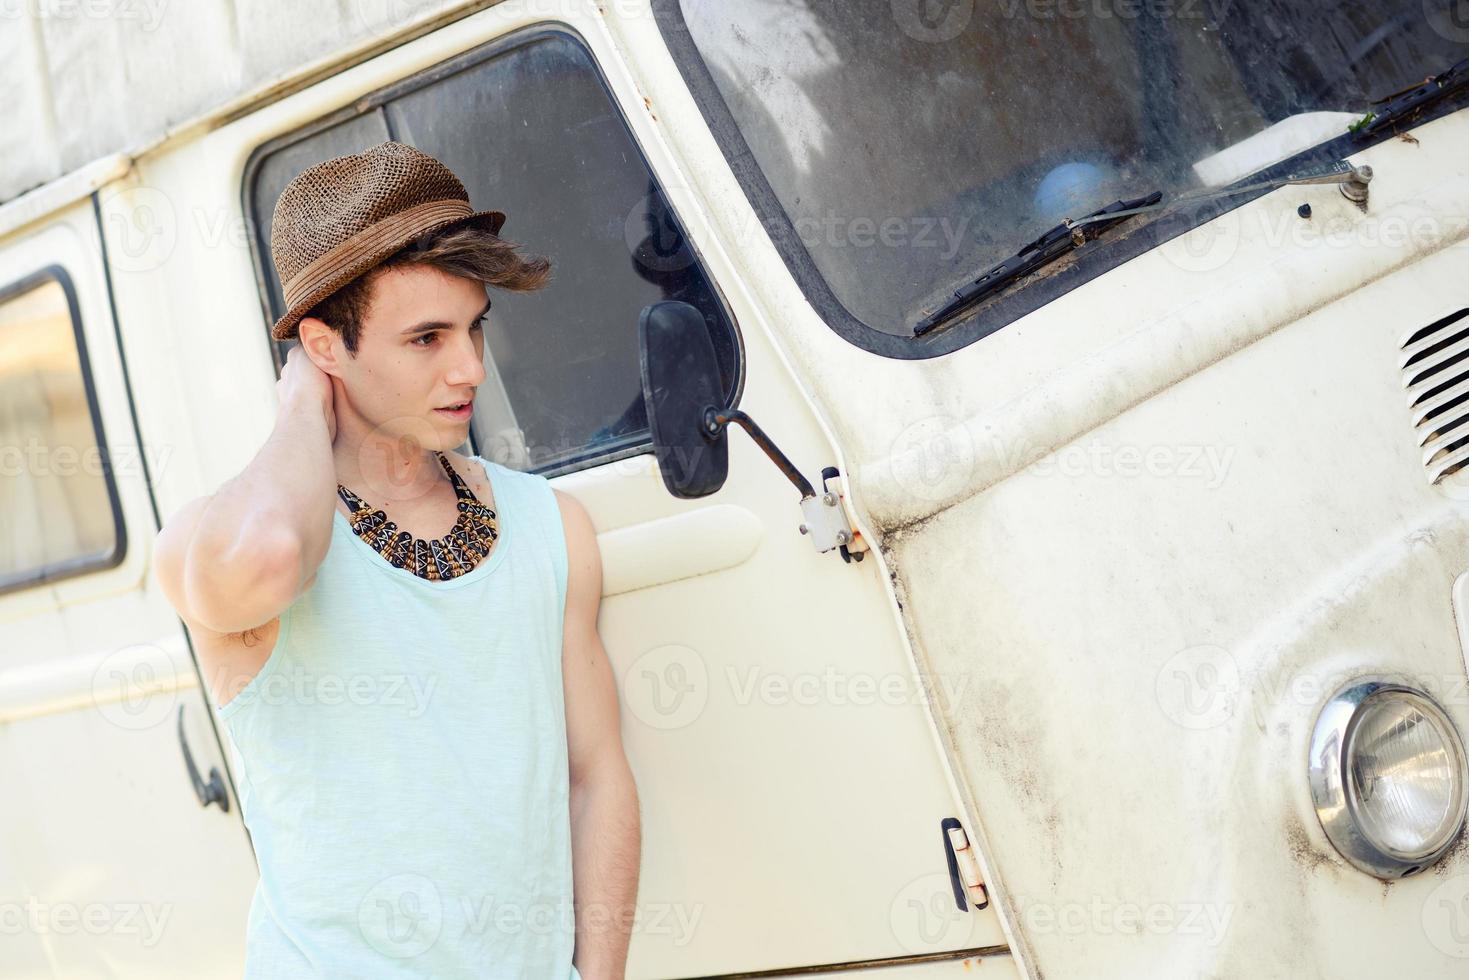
[464, 412]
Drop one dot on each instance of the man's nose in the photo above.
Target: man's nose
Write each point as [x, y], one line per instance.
[469, 363]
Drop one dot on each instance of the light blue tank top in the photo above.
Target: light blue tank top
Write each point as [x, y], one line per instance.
[401, 764]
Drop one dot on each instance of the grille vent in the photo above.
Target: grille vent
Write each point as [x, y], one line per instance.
[1435, 365]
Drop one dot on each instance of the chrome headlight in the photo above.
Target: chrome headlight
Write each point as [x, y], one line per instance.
[1388, 777]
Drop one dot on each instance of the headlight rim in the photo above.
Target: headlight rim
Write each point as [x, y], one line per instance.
[1328, 779]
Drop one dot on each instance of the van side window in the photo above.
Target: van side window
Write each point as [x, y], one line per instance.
[528, 124]
[58, 510]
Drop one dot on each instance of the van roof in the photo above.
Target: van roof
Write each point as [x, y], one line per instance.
[81, 121]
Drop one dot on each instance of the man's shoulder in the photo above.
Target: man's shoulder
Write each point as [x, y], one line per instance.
[576, 524]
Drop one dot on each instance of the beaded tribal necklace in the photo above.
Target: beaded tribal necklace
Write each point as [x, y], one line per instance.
[456, 553]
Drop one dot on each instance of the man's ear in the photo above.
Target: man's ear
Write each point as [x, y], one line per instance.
[322, 344]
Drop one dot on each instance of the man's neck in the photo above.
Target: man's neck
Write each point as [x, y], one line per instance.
[386, 470]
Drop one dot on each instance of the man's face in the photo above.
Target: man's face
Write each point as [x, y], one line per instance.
[420, 349]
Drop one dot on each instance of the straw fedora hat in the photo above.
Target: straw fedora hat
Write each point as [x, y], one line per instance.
[338, 219]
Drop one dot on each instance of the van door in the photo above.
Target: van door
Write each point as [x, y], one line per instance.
[111, 862]
[791, 783]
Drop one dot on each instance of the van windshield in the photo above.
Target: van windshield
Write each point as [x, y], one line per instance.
[912, 144]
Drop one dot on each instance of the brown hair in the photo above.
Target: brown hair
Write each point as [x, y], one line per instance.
[466, 250]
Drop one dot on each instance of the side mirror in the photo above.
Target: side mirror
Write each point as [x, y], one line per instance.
[687, 418]
[680, 382]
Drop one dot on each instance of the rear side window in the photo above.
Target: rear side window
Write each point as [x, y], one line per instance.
[528, 124]
[58, 506]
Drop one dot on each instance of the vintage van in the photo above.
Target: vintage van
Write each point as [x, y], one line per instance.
[1084, 594]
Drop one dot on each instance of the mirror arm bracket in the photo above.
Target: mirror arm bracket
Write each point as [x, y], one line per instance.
[826, 522]
[714, 423]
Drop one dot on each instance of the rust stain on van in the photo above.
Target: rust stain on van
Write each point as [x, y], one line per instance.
[1453, 860]
[1302, 851]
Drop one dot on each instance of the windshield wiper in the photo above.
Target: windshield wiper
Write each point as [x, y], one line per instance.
[1399, 107]
[1354, 181]
[1073, 232]
[1050, 246]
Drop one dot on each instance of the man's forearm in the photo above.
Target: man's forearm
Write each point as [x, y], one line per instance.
[288, 488]
[606, 841]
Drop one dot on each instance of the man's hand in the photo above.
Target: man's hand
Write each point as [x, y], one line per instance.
[606, 838]
[302, 381]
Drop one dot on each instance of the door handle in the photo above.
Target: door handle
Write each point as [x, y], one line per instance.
[212, 791]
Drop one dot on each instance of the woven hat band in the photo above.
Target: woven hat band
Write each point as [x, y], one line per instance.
[368, 242]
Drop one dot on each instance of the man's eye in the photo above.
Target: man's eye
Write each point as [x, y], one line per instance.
[433, 334]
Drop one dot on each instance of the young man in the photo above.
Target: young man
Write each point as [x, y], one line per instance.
[401, 640]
